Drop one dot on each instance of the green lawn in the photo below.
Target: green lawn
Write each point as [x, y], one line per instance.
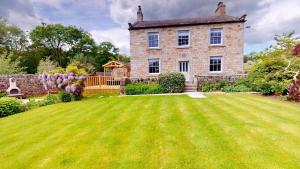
[222, 131]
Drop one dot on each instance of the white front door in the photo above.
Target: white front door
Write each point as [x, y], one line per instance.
[184, 69]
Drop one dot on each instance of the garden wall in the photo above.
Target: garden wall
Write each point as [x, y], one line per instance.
[29, 84]
[216, 78]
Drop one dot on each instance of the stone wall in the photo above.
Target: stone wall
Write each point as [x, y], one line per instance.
[216, 78]
[29, 85]
[197, 54]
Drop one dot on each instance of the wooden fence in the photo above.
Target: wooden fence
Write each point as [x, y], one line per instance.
[101, 85]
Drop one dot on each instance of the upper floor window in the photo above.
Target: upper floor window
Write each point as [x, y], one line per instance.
[183, 38]
[153, 39]
[215, 64]
[216, 36]
[153, 65]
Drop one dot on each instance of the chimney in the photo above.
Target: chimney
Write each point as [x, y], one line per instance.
[140, 14]
[220, 11]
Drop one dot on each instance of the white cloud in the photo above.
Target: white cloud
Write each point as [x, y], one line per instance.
[123, 11]
[26, 22]
[118, 36]
[52, 3]
[276, 17]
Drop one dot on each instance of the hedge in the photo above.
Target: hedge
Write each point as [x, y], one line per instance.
[10, 106]
[172, 82]
[141, 88]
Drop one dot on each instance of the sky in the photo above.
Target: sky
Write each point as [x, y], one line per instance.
[107, 20]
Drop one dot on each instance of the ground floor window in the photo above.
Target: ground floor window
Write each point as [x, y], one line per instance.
[215, 64]
[153, 65]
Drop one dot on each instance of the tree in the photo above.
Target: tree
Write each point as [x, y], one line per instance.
[46, 65]
[62, 42]
[105, 52]
[85, 61]
[9, 67]
[276, 67]
[12, 38]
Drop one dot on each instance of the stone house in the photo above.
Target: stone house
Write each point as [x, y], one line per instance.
[197, 47]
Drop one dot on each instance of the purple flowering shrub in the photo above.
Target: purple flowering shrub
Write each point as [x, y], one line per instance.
[71, 82]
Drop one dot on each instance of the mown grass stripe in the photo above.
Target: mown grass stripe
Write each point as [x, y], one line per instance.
[77, 132]
[56, 136]
[278, 113]
[258, 136]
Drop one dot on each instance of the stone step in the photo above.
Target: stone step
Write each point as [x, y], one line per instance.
[190, 90]
[190, 87]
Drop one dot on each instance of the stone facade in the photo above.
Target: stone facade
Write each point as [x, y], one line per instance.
[197, 54]
[199, 51]
[29, 85]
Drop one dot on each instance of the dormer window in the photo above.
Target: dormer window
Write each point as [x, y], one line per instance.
[183, 38]
[153, 40]
[216, 37]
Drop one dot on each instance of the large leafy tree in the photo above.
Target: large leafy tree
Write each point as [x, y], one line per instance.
[105, 52]
[12, 38]
[275, 67]
[7, 66]
[62, 42]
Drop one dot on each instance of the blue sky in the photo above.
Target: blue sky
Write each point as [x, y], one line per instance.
[107, 20]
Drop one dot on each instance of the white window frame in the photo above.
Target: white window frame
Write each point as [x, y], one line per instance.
[158, 43]
[215, 30]
[177, 39]
[159, 66]
[221, 64]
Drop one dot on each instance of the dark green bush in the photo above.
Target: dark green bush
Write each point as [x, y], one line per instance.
[10, 106]
[220, 84]
[49, 99]
[206, 87]
[141, 88]
[75, 97]
[2, 94]
[33, 104]
[64, 96]
[172, 82]
[209, 87]
[236, 88]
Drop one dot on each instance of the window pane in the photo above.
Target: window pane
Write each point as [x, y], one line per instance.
[215, 63]
[153, 65]
[216, 36]
[153, 39]
[183, 38]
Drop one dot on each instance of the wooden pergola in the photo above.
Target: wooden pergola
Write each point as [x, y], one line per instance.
[113, 64]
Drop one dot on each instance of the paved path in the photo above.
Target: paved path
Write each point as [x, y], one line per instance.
[195, 94]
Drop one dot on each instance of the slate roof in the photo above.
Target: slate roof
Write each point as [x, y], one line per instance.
[186, 22]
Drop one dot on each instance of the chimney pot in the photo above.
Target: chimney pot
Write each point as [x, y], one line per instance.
[140, 14]
[221, 9]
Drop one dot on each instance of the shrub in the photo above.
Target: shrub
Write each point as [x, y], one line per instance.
[236, 88]
[172, 82]
[294, 90]
[64, 96]
[75, 97]
[209, 87]
[10, 106]
[220, 84]
[141, 88]
[33, 104]
[2, 94]
[206, 87]
[49, 99]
